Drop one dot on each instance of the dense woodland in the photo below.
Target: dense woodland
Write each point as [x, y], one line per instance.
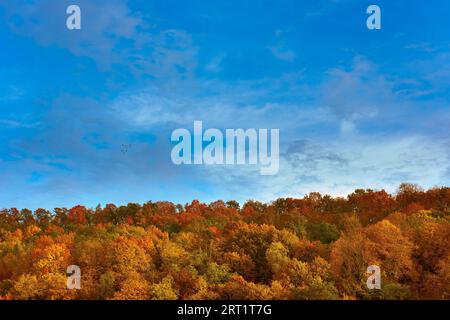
[316, 247]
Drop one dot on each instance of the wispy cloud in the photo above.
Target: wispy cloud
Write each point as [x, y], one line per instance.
[112, 34]
[11, 93]
[346, 120]
[282, 53]
[17, 124]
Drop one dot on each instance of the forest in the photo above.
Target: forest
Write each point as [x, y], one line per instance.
[314, 247]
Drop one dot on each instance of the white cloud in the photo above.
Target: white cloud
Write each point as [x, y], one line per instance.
[282, 53]
[215, 64]
[111, 34]
[323, 147]
[358, 93]
[339, 167]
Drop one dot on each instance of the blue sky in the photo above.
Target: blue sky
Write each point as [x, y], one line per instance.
[356, 108]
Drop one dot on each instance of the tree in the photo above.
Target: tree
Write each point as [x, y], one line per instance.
[349, 264]
[216, 274]
[164, 290]
[322, 231]
[134, 287]
[277, 257]
[237, 288]
[391, 251]
[78, 215]
[127, 256]
[27, 287]
[316, 247]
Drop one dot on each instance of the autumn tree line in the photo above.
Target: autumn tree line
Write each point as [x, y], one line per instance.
[315, 247]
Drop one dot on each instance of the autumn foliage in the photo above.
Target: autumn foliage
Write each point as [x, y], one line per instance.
[316, 247]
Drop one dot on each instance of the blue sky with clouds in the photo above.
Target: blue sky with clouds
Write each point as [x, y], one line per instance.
[86, 115]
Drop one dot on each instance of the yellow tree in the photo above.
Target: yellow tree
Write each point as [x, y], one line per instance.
[134, 287]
